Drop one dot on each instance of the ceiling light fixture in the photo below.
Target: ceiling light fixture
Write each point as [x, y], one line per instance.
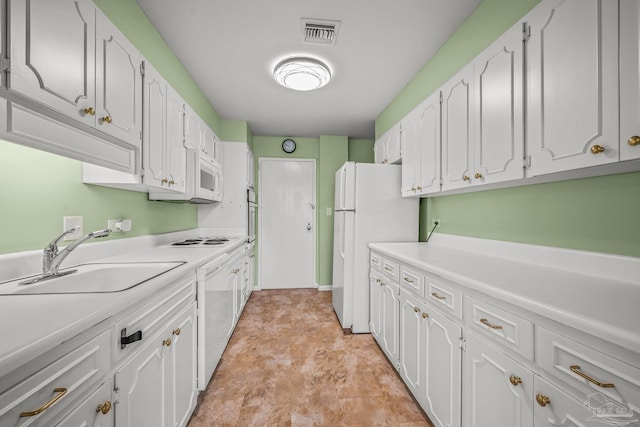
[302, 74]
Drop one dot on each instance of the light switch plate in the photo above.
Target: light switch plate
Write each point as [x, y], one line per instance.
[69, 222]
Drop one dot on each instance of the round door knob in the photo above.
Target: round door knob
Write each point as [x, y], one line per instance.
[104, 407]
[167, 342]
[106, 119]
[597, 149]
[90, 111]
[465, 178]
[542, 400]
[424, 315]
[478, 175]
[634, 140]
[176, 331]
[515, 380]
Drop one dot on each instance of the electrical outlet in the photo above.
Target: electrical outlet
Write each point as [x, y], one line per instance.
[433, 223]
[69, 222]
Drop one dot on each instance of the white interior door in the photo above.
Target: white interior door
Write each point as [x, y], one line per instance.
[287, 217]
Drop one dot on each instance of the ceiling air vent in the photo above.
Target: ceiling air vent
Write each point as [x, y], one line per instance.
[318, 31]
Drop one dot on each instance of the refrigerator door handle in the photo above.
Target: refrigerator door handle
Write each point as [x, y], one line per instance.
[343, 190]
[342, 233]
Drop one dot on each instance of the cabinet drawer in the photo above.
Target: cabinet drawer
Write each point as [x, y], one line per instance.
[375, 261]
[391, 268]
[502, 326]
[586, 369]
[412, 279]
[444, 296]
[87, 412]
[50, 391]
[562, 407]
[152, 316]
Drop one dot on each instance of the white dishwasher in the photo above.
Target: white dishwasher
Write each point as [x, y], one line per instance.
[215, 315]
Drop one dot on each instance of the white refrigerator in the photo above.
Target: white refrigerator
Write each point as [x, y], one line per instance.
[368, 208]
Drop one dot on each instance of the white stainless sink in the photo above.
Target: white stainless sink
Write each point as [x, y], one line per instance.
[91, 278]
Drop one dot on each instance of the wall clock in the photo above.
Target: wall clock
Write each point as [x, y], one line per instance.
[288, 146]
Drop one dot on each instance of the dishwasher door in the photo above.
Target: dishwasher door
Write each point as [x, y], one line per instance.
[215, 316]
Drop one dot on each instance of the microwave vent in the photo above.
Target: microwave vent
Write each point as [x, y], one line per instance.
[319, 31]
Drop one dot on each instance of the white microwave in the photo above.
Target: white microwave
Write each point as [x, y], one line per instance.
[204, 182]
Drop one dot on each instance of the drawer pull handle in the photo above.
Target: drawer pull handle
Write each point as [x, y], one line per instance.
[388, 269]
[61, 391]
[176, 331]
[104, 407]
[167, 342]
[438, 296]
[425, 315]
[406, 279]
[416, 309]
[542, 400]
[576, 370]
[515, 380]
[486, 322]
[126, 340]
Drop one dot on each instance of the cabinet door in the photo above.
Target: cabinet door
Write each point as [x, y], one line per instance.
[142, 387]
[176, 154]
[490, 398]
[429, 130]
[572, 74]
[375, 312]
[192, 133]
[95, 411]
[629, 79]
[389, 305]
[457, 128]
[394, 145]
[411, 342]
[154, 134]
[118, 83]
[207, 142]
[411, 149]
[183, 367]
[232, 286]
[499, 110]
[378, 152]
[562, 410]
[52, 54]
[441, 394]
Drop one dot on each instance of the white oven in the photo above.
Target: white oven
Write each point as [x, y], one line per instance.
[251, 214]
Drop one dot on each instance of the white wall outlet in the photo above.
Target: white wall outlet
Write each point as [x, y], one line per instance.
[69, 222]
[119, 225]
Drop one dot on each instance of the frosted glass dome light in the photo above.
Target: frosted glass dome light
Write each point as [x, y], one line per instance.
[302, 74]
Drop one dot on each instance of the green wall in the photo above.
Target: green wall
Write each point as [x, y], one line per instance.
[330, 152]
[594, 214]
[44, 187]
[361, 150]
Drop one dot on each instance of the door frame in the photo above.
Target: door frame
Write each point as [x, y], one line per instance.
[258, 285]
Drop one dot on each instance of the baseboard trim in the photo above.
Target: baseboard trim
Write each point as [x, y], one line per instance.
[322, 288]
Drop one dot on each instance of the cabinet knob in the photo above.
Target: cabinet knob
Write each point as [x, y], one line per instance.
[167, 342]
[465, 178]
[425, 315]
[172, 182]
[596, 149]
[419, 188]
[515, 380]
[106, 119]
[176, 331]
[634, 140]
[104, 407]
[90, 111]
[416, 309]
[164, 180]
[413, 188]
[542, 400]
[478, 175]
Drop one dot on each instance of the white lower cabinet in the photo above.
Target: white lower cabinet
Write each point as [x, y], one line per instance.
[389, 305]
[157, 386]
[498, 391]
[412, 336]
[375, 313]
[441, 392]
[95, 411]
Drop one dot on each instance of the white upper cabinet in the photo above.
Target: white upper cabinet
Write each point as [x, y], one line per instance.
[457, 128]
[164, 155]
[67, 56]
[629, 79]
[572, 91]
[499, 110]
[421, 148]
[118, 83]
[388, 148]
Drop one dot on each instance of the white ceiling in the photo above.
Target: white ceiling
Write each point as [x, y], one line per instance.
[230, 47]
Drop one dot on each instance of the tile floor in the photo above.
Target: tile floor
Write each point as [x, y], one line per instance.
[288, 363]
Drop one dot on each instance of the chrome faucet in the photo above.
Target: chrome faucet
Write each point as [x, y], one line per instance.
[53, 257]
